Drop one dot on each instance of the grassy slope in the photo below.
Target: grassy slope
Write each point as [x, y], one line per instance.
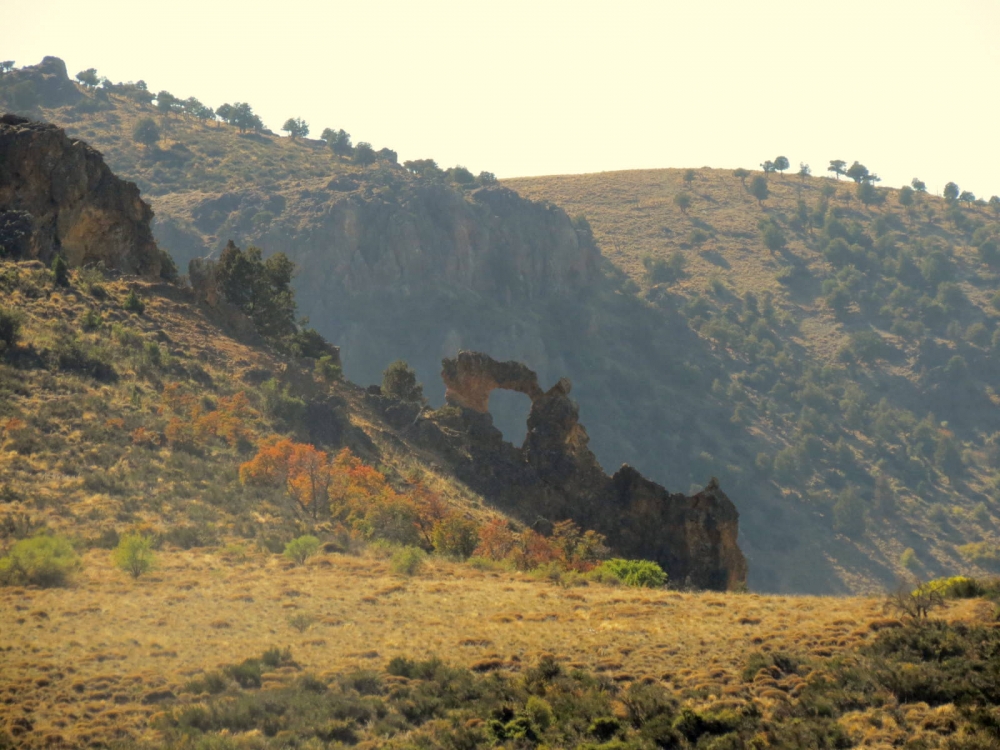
[786, 515]
[634, 216]
[86, 663]
[86, 455]
[83, 660]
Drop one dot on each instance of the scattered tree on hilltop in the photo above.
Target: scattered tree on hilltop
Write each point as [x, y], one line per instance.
[461, 175]
[88, 77]
[838, 167]
[858, 172]
[967, 196]
[742, 174]
[683, 202]
[167, 103]
[387, 155]
[919, 185]
[768, 167]
[488, 178]
[296, 127]
[225, 113]
[994, 203]
[240, 116]
[781, 164]
[689, 175]
[905, 196]
[6, 66]
[196, 109]
[260, 288]
[423, 167]
[364, 154]
[338, 141]
[804, 170]
[951, 192]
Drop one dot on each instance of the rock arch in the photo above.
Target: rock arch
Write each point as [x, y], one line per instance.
[556, 476]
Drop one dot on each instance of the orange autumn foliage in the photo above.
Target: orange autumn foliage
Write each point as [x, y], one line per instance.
[305, 472]
[192, 424]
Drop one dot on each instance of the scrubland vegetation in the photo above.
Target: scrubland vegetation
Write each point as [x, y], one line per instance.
[210, 543]
[853, 333]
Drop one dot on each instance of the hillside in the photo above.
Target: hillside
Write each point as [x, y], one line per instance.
[673, 377]
[861, 348]
[210, 539]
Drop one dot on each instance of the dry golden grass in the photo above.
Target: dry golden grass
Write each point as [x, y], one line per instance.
[94, 660]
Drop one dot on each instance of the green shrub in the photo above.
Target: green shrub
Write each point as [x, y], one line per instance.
[60, 271]
[327, 369]
[10, 328]
[408, 561]
[39, 561]
[956, 587]
[279, 402]
[455, 537]
[399, 380]
[133, 303]
[634, 572]
[134, 554]
[909, 559]
[91, 320]
[301, 549]
[302, 621]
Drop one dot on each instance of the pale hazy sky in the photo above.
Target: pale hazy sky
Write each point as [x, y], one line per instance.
[528, 88]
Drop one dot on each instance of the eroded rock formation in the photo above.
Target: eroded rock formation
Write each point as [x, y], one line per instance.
[49, 82]
[555, 476]
[77, 206]
[470, 378]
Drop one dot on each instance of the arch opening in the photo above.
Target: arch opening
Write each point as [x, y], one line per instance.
[510, 410]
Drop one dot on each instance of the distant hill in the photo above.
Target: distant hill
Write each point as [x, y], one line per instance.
[862, 348]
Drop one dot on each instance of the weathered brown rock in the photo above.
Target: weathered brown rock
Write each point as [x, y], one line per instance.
[555, 476]
[78, 207]
[471, 377]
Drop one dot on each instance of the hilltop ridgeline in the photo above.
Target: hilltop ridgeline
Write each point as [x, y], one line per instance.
[58, 197]
[554, 475]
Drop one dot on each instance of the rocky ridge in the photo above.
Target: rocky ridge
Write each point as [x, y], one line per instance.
[70, 203]
[555, 475]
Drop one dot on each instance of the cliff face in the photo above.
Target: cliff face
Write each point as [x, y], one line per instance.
[555, 476]
[72, 203]
[490, 241]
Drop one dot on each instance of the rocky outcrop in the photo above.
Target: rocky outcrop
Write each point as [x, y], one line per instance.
[555, 476]
[49, 82]
[470, 379]
[77, 207]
